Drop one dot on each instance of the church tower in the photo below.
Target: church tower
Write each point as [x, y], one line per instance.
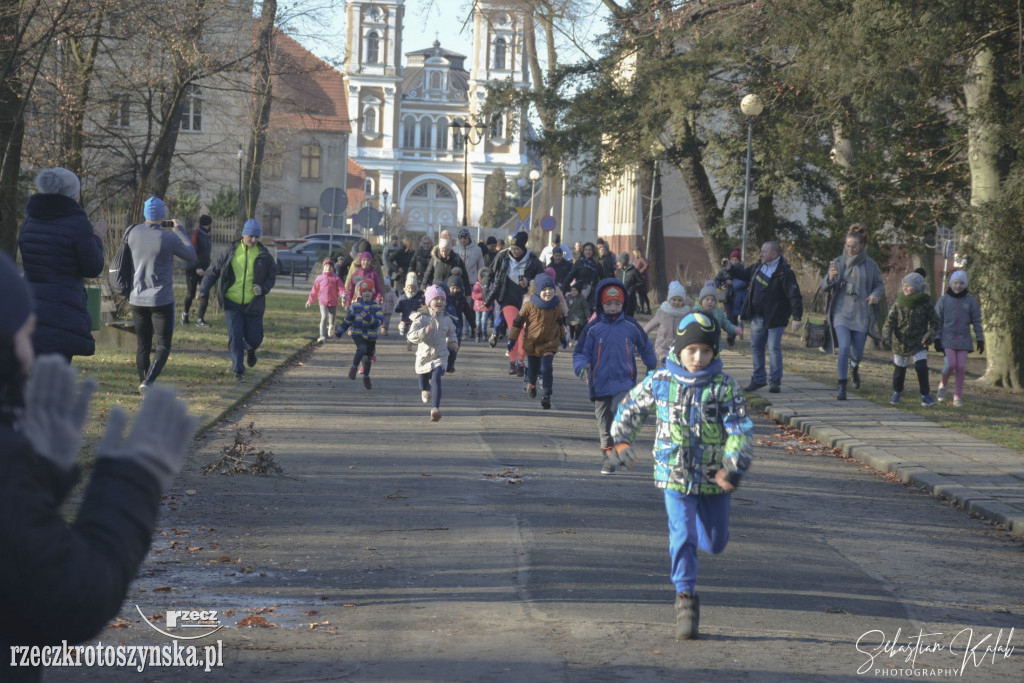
[498, 54]
[373, 71]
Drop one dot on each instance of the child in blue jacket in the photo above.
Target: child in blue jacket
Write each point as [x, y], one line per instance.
[364, 319]
[605, 357]
[703, 445]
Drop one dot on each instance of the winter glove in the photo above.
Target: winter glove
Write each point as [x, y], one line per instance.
[511, 344]
[55, 410]
[308, 304]
[158, 439]
[938, 345]
[621, 455]
[981, 345]
[887, 343]
[584, 373]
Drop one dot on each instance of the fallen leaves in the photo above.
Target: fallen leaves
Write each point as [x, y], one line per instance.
[242, 457]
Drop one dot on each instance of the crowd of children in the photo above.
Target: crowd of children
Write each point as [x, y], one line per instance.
[703, 435]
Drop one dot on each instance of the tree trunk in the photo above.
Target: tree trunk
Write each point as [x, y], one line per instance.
[992, 242]
[656, 259]
[686, 157]
[765, 228]
[12, 131]
[261, 103]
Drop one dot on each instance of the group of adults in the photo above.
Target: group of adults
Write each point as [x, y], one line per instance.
[60, 247]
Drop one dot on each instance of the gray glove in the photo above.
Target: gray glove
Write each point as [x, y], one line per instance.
[158, 439]
[56, 409]
[621, 455]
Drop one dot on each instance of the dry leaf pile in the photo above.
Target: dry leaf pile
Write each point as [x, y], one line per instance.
[244, 457]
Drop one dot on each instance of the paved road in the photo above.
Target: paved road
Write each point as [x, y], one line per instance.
[487, 547]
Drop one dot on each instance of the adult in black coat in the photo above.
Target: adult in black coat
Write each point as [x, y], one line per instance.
[586, 271]
[59, 248]
[512, 272]
[61, 581]
[606, 258]
[443, 262]
[421, 258]
[773, 297]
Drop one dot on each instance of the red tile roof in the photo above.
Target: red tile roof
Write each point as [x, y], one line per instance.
[309, 94]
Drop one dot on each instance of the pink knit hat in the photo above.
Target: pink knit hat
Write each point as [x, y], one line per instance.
[433, 291]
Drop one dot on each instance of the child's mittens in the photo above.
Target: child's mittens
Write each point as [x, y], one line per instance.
[338, 332]
[981, 345]
[621, 455]
[728, 481]
[308, 304]
[511, 344]
[887, 343]
[938, 345]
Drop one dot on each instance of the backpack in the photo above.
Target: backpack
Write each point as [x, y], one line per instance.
[122, 268]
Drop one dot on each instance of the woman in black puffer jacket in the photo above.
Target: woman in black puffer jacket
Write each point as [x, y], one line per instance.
[59, 248]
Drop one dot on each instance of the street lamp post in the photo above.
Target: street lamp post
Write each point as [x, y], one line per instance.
[462, 129]
[383, 208]
[534, 177]
[751, 105]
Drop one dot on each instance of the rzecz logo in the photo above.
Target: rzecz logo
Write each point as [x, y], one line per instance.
[190, 619]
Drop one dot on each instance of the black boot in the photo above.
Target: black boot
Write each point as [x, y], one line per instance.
[841, 394]
[856, 375]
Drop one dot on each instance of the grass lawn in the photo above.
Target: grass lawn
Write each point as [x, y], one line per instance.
[199, 366]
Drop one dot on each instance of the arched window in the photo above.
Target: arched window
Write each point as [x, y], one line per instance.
[436, 83]
[369, 121]
[442, 134]
[497, 129]
[368, 188]
[499, 53]
[425, 134]
[408, 132]
[372, 48]
[192, 109]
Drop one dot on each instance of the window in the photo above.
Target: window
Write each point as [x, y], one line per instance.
[435, 81]
[271, 219]
[309, 168]
[372, 48]
[369, 121]
[408, 132]
[497, 128]
[425, 134]
[368, 188]
[273, 165]
[442, 134]
[120, 112]
[307, 219]
[442, 191]
[192, 109]
[499, 53]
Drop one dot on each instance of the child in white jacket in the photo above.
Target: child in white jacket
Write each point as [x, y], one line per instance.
[433, 331]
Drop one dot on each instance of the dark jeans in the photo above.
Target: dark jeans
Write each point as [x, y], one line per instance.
[244, 332]
[541, 365]
[365, 348]
[191, 284]
[605, 408]
[154, 329]
[431, 381]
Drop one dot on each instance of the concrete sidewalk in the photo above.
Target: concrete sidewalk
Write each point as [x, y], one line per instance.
[982, 477]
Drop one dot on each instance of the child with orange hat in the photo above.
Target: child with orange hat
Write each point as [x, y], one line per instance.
[605, 358]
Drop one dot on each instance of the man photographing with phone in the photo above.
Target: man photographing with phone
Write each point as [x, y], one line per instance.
[152, 296]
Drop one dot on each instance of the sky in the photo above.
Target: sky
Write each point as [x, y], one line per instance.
[444, 20]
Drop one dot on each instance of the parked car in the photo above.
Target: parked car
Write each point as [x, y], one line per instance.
[305, 257]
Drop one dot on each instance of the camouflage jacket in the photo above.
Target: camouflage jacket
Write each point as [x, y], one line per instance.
[912, 324]
[702, 426]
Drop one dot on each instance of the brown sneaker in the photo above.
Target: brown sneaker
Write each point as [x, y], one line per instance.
[435, 415]
[366, 382]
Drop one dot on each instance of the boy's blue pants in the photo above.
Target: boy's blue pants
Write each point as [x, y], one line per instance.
[694, 522]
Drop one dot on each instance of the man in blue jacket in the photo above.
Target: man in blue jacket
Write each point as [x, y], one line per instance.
[605, 358]
[247, 273]
[773, 296]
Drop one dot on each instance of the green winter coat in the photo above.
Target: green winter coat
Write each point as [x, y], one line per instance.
[911, 324]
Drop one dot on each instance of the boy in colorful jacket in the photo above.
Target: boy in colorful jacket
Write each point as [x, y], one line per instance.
[703, 445]
[605, 357]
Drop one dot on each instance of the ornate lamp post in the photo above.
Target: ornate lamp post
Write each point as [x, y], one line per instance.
[534, 177]
[384, 209]
[751, 106]
[462, 130]
[241, 208]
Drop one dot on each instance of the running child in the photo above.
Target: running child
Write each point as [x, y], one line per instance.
[579, 312]
[461, 311]
[605, 358]
[481, 288]
[666, 319]
[707, 302]
[409, 301]
[433, 331]
[703, 444]
[326, 290]
[364, 319]
[542, 322]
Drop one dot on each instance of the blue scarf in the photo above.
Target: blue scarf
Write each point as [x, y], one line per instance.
[541, 304]
[684, 376]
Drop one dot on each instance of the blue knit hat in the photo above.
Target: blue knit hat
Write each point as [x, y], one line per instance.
[542, 282]
[154, 209]
[252, 227]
